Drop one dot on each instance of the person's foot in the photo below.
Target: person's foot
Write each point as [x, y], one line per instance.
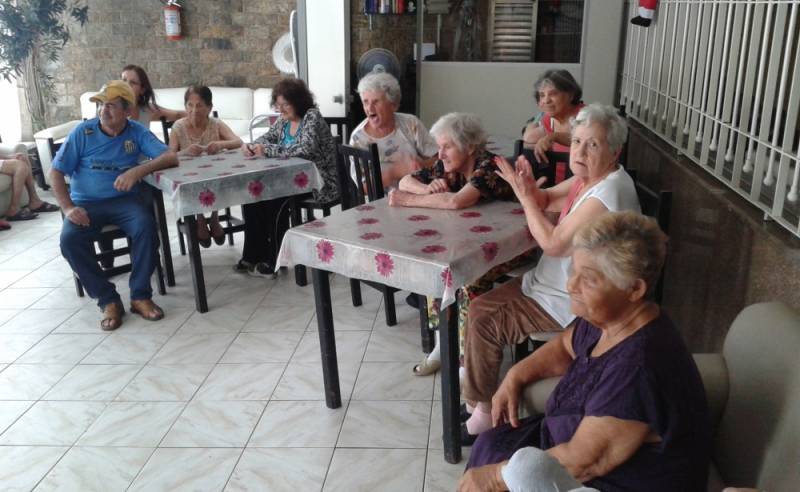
[413, 300]
[112, 316]
[262, 269]
[427, 367]
[467, 439]
[147, 309]
[243, 267]
[4, 225]
[22, 214]
[43, 207]
[203, 234]
[217, 232]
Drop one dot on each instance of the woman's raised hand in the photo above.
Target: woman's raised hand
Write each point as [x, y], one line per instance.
[520, 178]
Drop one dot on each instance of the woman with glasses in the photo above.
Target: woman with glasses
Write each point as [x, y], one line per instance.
[300, 131]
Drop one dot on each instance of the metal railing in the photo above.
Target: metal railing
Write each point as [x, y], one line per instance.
[720, 81]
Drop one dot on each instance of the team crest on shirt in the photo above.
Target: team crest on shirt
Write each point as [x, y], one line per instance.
[88, 131]
[129, 146]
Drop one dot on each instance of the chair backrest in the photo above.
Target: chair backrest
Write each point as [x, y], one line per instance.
[549, 169]
[657, 205]
[367, 166]
[340, 128]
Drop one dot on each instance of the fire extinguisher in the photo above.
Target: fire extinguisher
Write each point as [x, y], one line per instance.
[172, 20]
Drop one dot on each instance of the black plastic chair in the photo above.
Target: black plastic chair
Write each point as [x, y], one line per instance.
[368, 172]
[340, 129]
[556, 161]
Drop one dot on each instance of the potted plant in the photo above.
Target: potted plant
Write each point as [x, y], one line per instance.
[32, 34]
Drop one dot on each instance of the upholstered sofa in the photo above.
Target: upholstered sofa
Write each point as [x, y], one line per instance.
[753, 391]
[236, 106]
[7, 150]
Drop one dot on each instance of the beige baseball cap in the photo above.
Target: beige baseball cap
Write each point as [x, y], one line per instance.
[114, 89]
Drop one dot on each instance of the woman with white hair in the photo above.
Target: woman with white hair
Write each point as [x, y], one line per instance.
[404, 144]
[538, 301]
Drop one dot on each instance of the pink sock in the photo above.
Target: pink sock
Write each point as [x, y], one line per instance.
[479, 421]
[470, 408]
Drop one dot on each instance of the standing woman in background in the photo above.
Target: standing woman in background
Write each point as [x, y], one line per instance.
[146, 110]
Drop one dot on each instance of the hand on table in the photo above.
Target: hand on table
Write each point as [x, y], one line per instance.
[253, 150]
[438, 185]
[213, 148]
[127, 180]
[78, 216]
[195, 150]
[397, 198]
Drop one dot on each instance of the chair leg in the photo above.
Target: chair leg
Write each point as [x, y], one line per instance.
[326, 211]
[310, 214]
[521, 350]
[181, 242]
[78, 286]
[425, 332]
[230, 234]
[106, 245]
[355, 291]
[388, 301]
[162, 287]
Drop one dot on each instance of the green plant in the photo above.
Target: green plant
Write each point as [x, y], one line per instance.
[32, 33]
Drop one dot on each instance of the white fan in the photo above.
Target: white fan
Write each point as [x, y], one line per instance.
[282, 55]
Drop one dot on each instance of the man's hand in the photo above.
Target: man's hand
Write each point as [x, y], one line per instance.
[127, 180]
[213, 148]
[438, 186]
[78, 216]
[195, 149]
[482, 479]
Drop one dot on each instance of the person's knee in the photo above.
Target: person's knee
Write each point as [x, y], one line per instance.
[72, 238]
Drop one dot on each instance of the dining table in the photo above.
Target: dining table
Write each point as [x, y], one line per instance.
[205, 183]
[429, 252]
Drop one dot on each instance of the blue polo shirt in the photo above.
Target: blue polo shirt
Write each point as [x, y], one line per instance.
[93, 159]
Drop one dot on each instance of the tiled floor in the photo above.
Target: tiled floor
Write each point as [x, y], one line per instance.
[227, 400]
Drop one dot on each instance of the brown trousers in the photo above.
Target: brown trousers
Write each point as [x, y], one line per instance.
[503, 316]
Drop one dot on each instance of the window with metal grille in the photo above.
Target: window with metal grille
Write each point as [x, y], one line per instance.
[543, 31]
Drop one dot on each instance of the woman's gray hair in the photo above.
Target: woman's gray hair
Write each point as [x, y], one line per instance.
[626, 246]
[563, 81]
[381, 82]
[608, 117]
[464, 129]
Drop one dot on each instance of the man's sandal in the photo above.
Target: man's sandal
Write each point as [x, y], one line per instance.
[147, 309]
[112, 316]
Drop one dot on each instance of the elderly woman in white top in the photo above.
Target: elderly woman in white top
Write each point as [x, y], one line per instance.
[404, 143]
[539, 300]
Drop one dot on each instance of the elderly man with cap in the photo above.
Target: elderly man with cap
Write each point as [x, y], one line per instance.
[103, 158]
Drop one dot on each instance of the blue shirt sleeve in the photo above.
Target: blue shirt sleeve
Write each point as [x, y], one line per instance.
[149, 145]
[68, 156]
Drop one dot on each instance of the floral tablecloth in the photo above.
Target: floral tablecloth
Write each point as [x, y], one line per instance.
[213, 182]
[426, 251]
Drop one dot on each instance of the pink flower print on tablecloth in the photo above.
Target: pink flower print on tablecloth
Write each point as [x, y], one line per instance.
[314, 225]
[447, 277]
[470, 215]
[370, 236]
[426, 232]
[480, 228]
[489, 251]
[226, 173]
[255, 188]
[418, 218]
[238, 166]
[434, 248]
[158, 177]
[192, 173]
[218, 159]
[368, 221]
[365, 208]
[325, 251]
[301, 180]
[207, 198]
[205, 166]
[384, 264]
[518, 211]
[271, 166]
[175, 184]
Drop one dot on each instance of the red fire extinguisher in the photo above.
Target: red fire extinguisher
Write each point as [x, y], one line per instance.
[172, 20]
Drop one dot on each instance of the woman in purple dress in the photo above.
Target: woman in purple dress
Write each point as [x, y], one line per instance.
[630, 412]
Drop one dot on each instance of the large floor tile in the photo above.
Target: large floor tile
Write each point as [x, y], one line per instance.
[21, 298]
[223, 319]
[173, 318]
[61, 349]
[303, 381]
[388, 470]
[285, 317]
[201, 348]
[391, 381]
[85, 320]
[308, 424]
[186, 470]
[262, 347]
[10, 277]
[386, 424]
[21, 467]
[350, 346]
[43, 278]
[214, 424]
[52, 423]
[241, 381]
[441, 476]
[401, 345]
[10, 411]
[62, 298]
[165, 382]
[280, 470]
[140, 424]
[13, 346]
[7, 314]
[126, 348]
[92, 469]
[36, 321]
[29, 381]
[92, 382]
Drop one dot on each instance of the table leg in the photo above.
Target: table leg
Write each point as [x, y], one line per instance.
[448, 338]
[163, 232]
[425, 331]
[196, 264]
[327, 341]
[296, 218]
